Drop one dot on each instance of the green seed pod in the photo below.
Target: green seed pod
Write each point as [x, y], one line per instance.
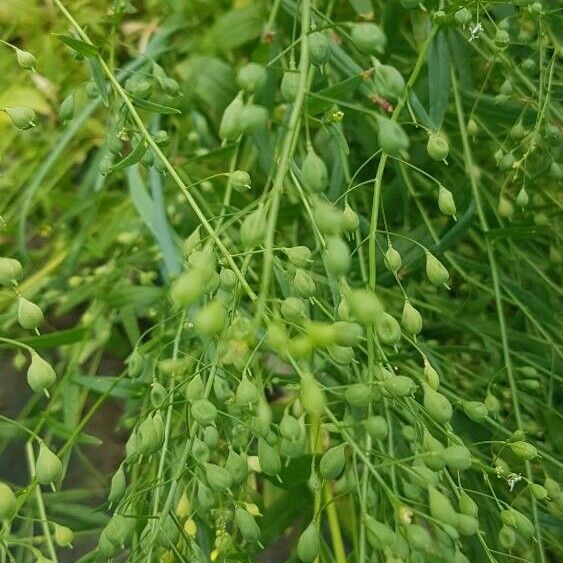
[218, 478]
[457, 457]
[309, 544]
[555, 171]
[170, 86]
[552, 487]
[118, 486]
[289, 427]
[200, 450]
[437, 147]
[139, 87]
[350, 221]
[431, 376]
[8, 502]
[40, 374]
[251, 77]
[23, 118]
[30, 315]
[205, 497]
[392, 138]
[299, 256]
[210, 319]
[120, 529]
[328, 217]
[148, 439]
[227, 279]
[237, 466]
[379, 535]
[64, 536]
[411, 319]
[507, 517]
[269, 459]
[523, 450]
[332, 463]
[106, 547]
[507, 537]
[194, 388]
[358, 395]
[319, 48]
[388, 329]
[347, 333]
[303, 284]
[10, 270]
[211, 437]
[522, 199]
[475, 410]
[48, 467]
[523, 524]
[248, 527]
[418, 537]
[423, 476]
[337, 257]
[518, 132]
[368, 38]
[321, 334]
[467, 505]
[492, 404]
[463, 17]
[364, 306]
[399, 386]
[312, 396]
[314, 172]
[240, 181]
[247, 393]
[342, 355]
[467, 525]
[436, 271]
[502, 39]
[440, 506]
[253, 228]
[203, 411]
[289, 85]
[300, 347]
[253, 117]
[25, 59]
[446, 202]
[507, 162]
[230, 127]
[392, 259]
[436, 405]
[472, 128]
[188, 288]
[376, 427]
[158, 394]
[66, 109]
[539, 492]
[293, 309]
[389, 82]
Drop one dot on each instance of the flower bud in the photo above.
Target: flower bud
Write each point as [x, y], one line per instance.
[23, 118]
[30, 315]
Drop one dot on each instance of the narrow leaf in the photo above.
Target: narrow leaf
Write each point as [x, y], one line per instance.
[438, 78]
[81, 47]
[154, 107]
[132, 158]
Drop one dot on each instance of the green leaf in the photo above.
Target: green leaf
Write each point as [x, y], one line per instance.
[364, 8]
[98, 77]
[64, 432]
[112, 386]
[81, 47]
[438, 78]
[132, 158]
[55, 339]
[324, 99]
[154, 107]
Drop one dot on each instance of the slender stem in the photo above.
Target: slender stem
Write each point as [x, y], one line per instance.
[334, 526]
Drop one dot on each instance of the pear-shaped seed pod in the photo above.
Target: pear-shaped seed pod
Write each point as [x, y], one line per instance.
[210, 319]
[8, 502]
[48, 467]
[399, 386]
[463, 17]
[248, 527]
[446, 202]
[364, 306]
[379, 535]
[40, 374]
[388, 329]
[472, 128]
[328, 218]
[253, 228]
[293, 309]
[194, 388]
[289, 85]
[253, 117]
[247, 393]
[337, 258]
[522, 199]
[393, 260]
[435, 270]
[411, 319]
[118, 486]
[303, 284]
[467, 525]
[64, 536]
[23, 118]
[431, 376]
[437, 405]
[332, 462]
[457, 457]
[467, 505]
[505, 208]
[218, 477]
[237, 466]
[230, 127]
[392, 138]
[251, 77]
[203, 411]
[351, 221]
[10, 270]
[30, 315]
[437, 146]
[66, 109]
[492, 404]
[269, 459]
[308, 545]
[440, 506]
[25, 59]
[358, 395]
[319, 48]
[299, 256]
[314, 172]
[368, 38]
[188, 288]
[523, 450]
[289, 427]
[418, 537]
[475, 410]
[312, 396]
[240, 181]
[376, 426]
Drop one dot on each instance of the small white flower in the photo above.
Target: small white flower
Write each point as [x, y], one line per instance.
[512, 479]
[476, 31]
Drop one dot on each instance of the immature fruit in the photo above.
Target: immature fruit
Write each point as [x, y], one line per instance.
[507, 162]
[376, 427]
[289, 427]
[399, 386]
[472, 128]
[552, 487]
[293, 309]
[389, 82]
[25, 59]
[392, 138]
[364, 306]
[252, 118]
[248, 527]
[379, 535]
[555, 171]
[210, 319]
[118, 486]
[523, 450]
[247, 393]
[30, 315]
[308, 545]
[467, 525]
[328, 217]
[40, 374]
[240, 181]
[314, 172]
[63, 535]
[411, 319]
[203, 411]
[351, 220]
[539, 492]
[392, 259]
[200, 451]
[66, 109]
[522, 199]
[457, 457]
[437, 146]
[388, 329]
[253, 228]
[312, 396]
[463, 17]
[303, 284]
[369, 38]
[8, 502]
[48, 467]
[446, 202]
[332, 463]
[237, 466]
[289, 85]
[194, 388]
[492, 404]
[431, 376]
[358, 395]
[299, 256]
[188, 288]
[418, 537]
[319, 48]
[139, 87]
[230, 127]
[106, 547]
[251, 77]
[440, 506]
[436, 405]
[23, 118]
[475, 410]
[347, 333]
[10, 270]
[269, 459]
[218, 478]
[337, 257]
[342, 355]
[436, 271]
[211, 437]
[507, 537]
